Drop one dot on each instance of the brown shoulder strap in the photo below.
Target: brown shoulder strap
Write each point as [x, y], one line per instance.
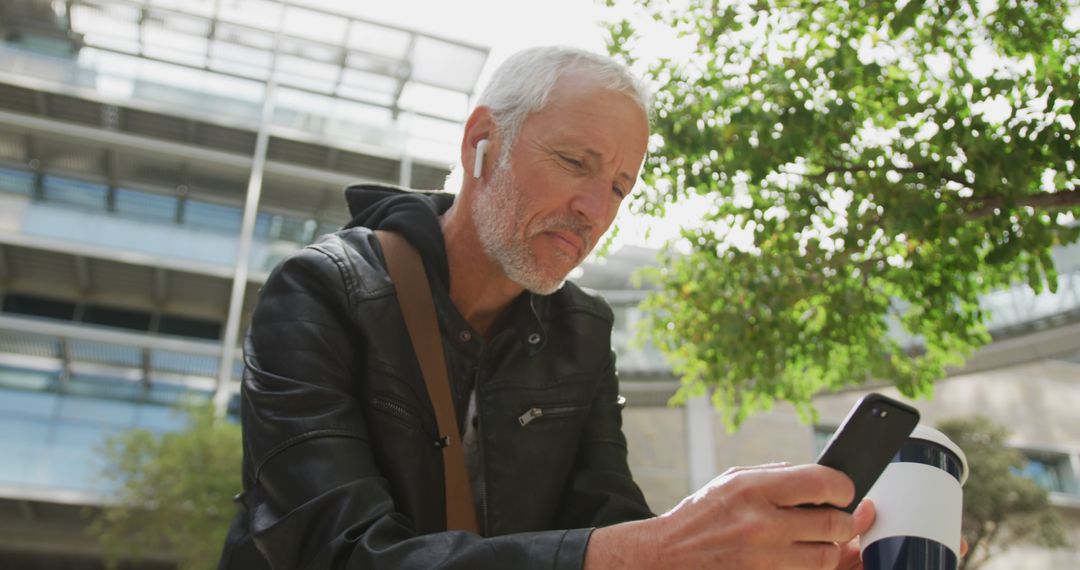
[414, 295]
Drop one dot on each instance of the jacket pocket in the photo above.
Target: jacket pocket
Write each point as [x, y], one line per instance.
[552, 411]
[397, 411]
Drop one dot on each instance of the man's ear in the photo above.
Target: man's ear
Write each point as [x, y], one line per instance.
[479, 142]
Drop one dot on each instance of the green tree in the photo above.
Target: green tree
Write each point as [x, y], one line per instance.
[1001, 508]
[885, 164]
[173, 491]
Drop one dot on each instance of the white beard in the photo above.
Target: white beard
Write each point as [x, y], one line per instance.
[498, 212]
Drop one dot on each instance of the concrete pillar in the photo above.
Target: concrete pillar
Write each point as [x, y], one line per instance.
[700, 441]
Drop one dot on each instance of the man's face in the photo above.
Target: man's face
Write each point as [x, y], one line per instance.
[544, 209]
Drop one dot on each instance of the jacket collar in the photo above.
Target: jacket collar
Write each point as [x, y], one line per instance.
[415, 215]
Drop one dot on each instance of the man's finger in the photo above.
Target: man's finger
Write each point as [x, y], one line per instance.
[862, 520]
[819, 524]
[746, 468]
[864, 515]
[806, 485]
[850, 556]
[741, 468]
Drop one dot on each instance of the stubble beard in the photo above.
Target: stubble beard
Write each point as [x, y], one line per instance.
[498, 213]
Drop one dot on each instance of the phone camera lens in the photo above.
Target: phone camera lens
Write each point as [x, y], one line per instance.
[876, 412]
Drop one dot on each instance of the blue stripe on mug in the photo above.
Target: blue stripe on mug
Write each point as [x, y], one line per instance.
[930, 453]
[908, 553]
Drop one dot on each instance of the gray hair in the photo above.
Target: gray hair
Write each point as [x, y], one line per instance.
[523, 83]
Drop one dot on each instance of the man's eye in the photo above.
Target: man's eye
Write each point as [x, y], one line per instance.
[618, 192]
[571, 161]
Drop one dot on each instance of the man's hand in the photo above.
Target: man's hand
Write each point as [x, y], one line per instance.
[747, 518]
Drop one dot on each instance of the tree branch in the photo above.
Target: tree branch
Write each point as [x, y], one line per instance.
[848, 167]
[1046, 201]
[982, 207]
[976, 549]
[988, 541]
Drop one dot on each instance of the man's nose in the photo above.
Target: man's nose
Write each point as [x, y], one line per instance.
[594, 203]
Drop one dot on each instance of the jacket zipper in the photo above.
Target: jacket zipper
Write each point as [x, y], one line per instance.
[536, 413]
[395, 409]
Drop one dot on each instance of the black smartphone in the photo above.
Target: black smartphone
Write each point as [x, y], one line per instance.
[872, 433]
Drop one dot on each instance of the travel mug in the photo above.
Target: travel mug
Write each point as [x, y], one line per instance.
[919, 504]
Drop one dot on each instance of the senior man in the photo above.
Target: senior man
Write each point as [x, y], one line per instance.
[340, 470]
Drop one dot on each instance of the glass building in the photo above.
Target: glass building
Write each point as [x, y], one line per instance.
[157, 159]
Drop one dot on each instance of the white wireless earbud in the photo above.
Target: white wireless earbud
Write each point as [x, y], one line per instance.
[478, 166]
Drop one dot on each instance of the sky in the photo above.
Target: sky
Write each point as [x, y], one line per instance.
[505, 26]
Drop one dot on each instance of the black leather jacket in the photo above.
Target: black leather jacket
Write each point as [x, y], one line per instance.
[340, 467]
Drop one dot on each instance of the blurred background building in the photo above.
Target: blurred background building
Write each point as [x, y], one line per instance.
[156, 160]
[158, 157]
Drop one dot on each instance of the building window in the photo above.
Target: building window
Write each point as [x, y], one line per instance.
[131, 319]
[71, 192]
[116, 317]
[822, 435]
[1051, 470]
[194, 328]
[39, 307]
[16, 181]
[145, 206]
[51, 437]
[212, 217]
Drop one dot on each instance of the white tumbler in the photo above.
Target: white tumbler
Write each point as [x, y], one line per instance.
[919, 504]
